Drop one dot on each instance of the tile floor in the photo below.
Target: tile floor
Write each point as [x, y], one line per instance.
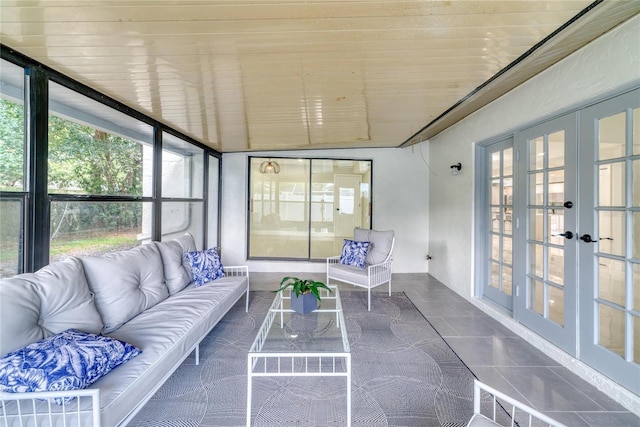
[496, 355]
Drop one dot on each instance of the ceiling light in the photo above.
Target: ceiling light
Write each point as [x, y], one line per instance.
[269, 166]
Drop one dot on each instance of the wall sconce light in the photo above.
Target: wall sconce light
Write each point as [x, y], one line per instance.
[269, 166]
[455, 169]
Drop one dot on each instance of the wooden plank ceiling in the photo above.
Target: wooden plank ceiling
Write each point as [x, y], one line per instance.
[290, 74]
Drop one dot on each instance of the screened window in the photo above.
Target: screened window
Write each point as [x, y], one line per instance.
[96, 152]
[305, 208]
[182, 189]
[12, 169]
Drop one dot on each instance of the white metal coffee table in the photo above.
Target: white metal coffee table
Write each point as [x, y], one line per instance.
[289, 344]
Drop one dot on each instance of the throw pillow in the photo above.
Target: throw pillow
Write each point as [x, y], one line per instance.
[205, 265]
[354, 253]
[70, 360]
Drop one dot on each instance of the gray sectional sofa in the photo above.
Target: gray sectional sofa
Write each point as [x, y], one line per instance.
[143, 296]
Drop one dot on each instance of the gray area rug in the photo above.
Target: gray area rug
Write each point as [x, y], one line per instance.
[403, 374]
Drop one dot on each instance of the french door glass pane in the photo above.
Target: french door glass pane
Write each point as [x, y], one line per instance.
[612, 184]
[635, 183]
[612, 137]
[636, 288]
[611, 225]
[495, 247]
[93, 228]
[495, 192]
[536, 224]
[611, 281]
[555, 221]
[537, 297]
[556, 305]
[507, 227]
[611, 329]
[507, 274]
[556, 188]
[495, 275]
[507, 250]
[536, 154]
[636, 339]
[536, 188]
[11, 237]
[556, 150]
[495, 219]
[555, 265]
[507, 191]
[636, 131]
[635, 250]
[495, 164]
[536, 267]
[507, 161]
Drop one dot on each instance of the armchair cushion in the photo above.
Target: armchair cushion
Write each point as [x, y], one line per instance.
[354, 253]
[356, 275]
[381, 244]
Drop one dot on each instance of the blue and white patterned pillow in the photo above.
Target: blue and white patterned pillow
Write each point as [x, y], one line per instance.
[354, 253]
[205, 265]
[70, 360]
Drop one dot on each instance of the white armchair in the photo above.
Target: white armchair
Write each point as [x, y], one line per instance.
[377, 270]
[508, 407]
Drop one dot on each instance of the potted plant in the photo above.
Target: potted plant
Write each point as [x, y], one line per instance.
[304, 294]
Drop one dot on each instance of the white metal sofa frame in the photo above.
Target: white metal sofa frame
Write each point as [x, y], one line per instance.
[376, 275]
[84, 411]
[499, 398]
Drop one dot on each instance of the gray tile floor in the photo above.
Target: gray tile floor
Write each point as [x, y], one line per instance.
[496, 355]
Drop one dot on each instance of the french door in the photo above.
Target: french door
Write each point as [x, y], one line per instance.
[546, 296]
[609, 242]
[498, 271]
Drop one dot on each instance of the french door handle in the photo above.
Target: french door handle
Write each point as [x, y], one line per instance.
[587, 238]
[566, 235]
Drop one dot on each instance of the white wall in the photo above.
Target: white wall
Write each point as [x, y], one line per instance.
[602, 68]
[400, 202]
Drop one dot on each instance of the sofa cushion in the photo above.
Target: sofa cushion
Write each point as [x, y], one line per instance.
[354, 253]
[381, 242]
[37, 305]
[125, 283]
[70, 360]
[205, 265]
[176, 274]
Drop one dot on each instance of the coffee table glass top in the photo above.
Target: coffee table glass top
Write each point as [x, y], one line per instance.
[285, 331]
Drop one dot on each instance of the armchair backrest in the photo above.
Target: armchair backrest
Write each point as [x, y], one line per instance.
[381, 244]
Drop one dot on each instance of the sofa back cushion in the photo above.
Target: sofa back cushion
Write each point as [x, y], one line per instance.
[176, 275]
[381, 244]
[34, 306]
[125, 283]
